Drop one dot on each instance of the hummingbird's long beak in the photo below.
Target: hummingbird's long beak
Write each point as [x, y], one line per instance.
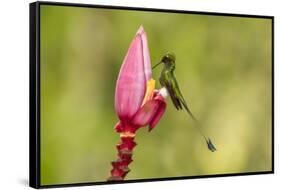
[156, 64]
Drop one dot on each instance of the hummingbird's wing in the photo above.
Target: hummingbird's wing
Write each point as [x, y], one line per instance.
[178, 100]
[166, 81]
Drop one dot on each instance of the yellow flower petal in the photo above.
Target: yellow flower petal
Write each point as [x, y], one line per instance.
[150, 86]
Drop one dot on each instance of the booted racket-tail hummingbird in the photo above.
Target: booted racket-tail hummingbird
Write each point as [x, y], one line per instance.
[168, 80]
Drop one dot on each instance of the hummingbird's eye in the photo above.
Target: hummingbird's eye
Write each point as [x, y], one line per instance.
[169, 57]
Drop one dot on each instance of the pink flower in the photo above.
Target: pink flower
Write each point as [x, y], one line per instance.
[137, 103]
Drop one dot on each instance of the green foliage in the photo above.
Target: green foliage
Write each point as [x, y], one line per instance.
[223, 67]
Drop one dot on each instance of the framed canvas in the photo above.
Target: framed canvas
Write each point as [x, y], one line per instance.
[120, 94]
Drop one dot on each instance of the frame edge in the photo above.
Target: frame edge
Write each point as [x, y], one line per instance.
[34, 133]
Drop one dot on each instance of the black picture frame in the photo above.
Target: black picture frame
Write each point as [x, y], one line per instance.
[34, 93]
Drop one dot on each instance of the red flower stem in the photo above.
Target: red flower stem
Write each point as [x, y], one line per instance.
[125, 152]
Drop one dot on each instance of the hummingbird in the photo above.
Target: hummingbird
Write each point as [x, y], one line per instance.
[168, 80]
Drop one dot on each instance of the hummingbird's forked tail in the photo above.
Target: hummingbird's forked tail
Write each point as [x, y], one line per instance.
[210, 145]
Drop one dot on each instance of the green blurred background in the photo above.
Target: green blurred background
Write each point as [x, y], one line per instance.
[223, 69]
